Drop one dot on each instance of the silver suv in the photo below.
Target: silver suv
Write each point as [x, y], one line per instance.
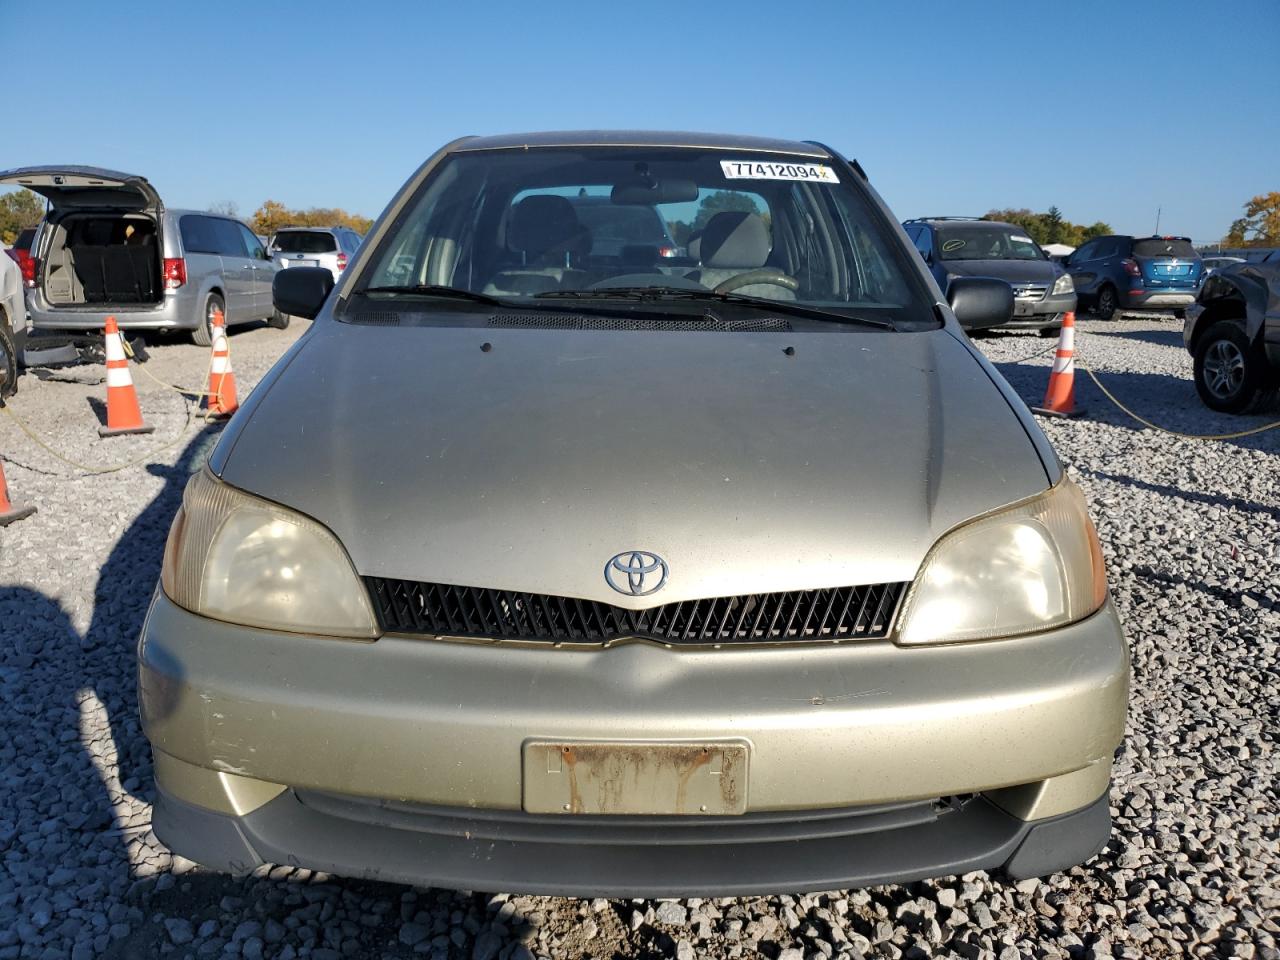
[328, 247]
[108, 246]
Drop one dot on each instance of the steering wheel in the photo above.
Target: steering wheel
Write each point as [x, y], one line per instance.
[767, 275]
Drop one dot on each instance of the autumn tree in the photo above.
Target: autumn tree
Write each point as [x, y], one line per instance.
[1260, 225]
[19, 210]
[273, 215]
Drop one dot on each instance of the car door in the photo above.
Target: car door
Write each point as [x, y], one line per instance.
[263, 271]
[237, 270]
[1081, 267]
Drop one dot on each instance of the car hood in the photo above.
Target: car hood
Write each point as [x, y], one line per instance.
[528, 465]
[1014, 271]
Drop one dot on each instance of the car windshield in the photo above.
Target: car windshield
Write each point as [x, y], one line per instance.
[305, 241]
[526, 226]
[987, 243]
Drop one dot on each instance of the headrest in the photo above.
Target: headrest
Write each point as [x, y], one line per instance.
[735, 239]
[545, 223]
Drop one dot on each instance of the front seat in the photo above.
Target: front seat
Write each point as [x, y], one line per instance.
[735, 242]
[549, 241]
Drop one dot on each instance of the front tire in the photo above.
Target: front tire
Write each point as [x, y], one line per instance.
[202, 335]
[1107, 303]
[278, 320]
[1231, 372]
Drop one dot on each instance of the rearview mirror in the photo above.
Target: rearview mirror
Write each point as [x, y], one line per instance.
[301, 291]
[648, 191]
[980, 302]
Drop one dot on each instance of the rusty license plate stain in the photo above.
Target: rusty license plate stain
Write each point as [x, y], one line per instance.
[676, 779]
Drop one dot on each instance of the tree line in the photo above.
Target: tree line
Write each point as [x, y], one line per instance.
[1050, 226]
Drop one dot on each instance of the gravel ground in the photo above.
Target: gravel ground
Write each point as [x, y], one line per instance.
[1191, 532]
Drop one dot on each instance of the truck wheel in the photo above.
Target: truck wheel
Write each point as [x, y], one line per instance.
[1105, 308]
[1231, 372]
[278, 320]
[202, 335]
[8, 359]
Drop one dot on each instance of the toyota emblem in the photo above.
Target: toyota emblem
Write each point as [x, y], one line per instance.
[636, 573]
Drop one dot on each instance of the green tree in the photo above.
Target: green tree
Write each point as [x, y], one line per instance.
[273, 215]
[1054, 225]
[1260, 225]
[19, 210]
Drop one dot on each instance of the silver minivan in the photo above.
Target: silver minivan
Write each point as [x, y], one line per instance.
[109, 246]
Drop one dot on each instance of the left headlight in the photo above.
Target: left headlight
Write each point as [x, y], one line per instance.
[234, 557]
[1030, 567]
[1063, 285]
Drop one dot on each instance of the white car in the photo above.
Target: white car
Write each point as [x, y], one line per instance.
[13, 323]
[328, 247]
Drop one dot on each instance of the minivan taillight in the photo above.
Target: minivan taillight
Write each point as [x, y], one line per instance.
[175, 272]
[342, 262]
[1131, 268]
[27, 264]
[667, 252]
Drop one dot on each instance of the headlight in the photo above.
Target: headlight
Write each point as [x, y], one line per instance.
[1063, 285]
[233, 557]
[1031, 567]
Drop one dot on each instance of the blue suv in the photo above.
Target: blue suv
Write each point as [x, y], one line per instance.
[968, 247]
[1136, 273]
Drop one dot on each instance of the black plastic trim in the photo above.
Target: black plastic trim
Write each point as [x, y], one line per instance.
[978, 836]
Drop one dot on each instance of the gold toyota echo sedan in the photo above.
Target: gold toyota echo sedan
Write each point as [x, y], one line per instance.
[635, 519]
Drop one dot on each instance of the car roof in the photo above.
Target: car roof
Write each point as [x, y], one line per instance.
[968, 221]
[641, 138]
[313, 229]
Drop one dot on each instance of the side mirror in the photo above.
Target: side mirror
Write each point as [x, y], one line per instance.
[980, 302]
[301, 291]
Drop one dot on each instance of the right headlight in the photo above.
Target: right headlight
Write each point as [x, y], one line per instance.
[1063, 285]
[1030, 567]
[234, 557]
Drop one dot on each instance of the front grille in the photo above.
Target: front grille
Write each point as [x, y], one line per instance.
[1029, 291]
[571, 321]
[436, 609]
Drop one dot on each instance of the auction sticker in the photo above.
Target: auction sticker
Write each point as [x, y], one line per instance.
[767, 170]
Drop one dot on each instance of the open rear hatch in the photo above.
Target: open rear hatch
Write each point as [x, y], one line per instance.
[86, 188]
[101, 244]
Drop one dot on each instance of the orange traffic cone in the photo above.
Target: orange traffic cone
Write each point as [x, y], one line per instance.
[8, 512]
[222, 400]
[123, 413]
[1060, 397]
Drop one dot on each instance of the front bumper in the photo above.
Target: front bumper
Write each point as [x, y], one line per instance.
[1040, 314]
[1159, 299]
[253, 725]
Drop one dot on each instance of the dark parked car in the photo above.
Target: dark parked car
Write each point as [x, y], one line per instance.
[627, 232]
[1234, 334]
[963, 247]
[1136, 273]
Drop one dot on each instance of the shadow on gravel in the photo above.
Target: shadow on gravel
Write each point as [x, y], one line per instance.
[1171, 402]
[1161, 338]
[74, 765]
[1164, 489]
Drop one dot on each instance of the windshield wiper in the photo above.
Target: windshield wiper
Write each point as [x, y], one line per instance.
[657, 294]
[434, 290]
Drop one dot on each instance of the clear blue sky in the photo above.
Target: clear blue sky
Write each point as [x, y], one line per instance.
[1106, 109]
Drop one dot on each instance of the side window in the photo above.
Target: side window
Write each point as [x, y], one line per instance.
[251, 243]
[924, 242]
[1083, 253]
[1106, 248]
[227, 238]
[197, 234]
